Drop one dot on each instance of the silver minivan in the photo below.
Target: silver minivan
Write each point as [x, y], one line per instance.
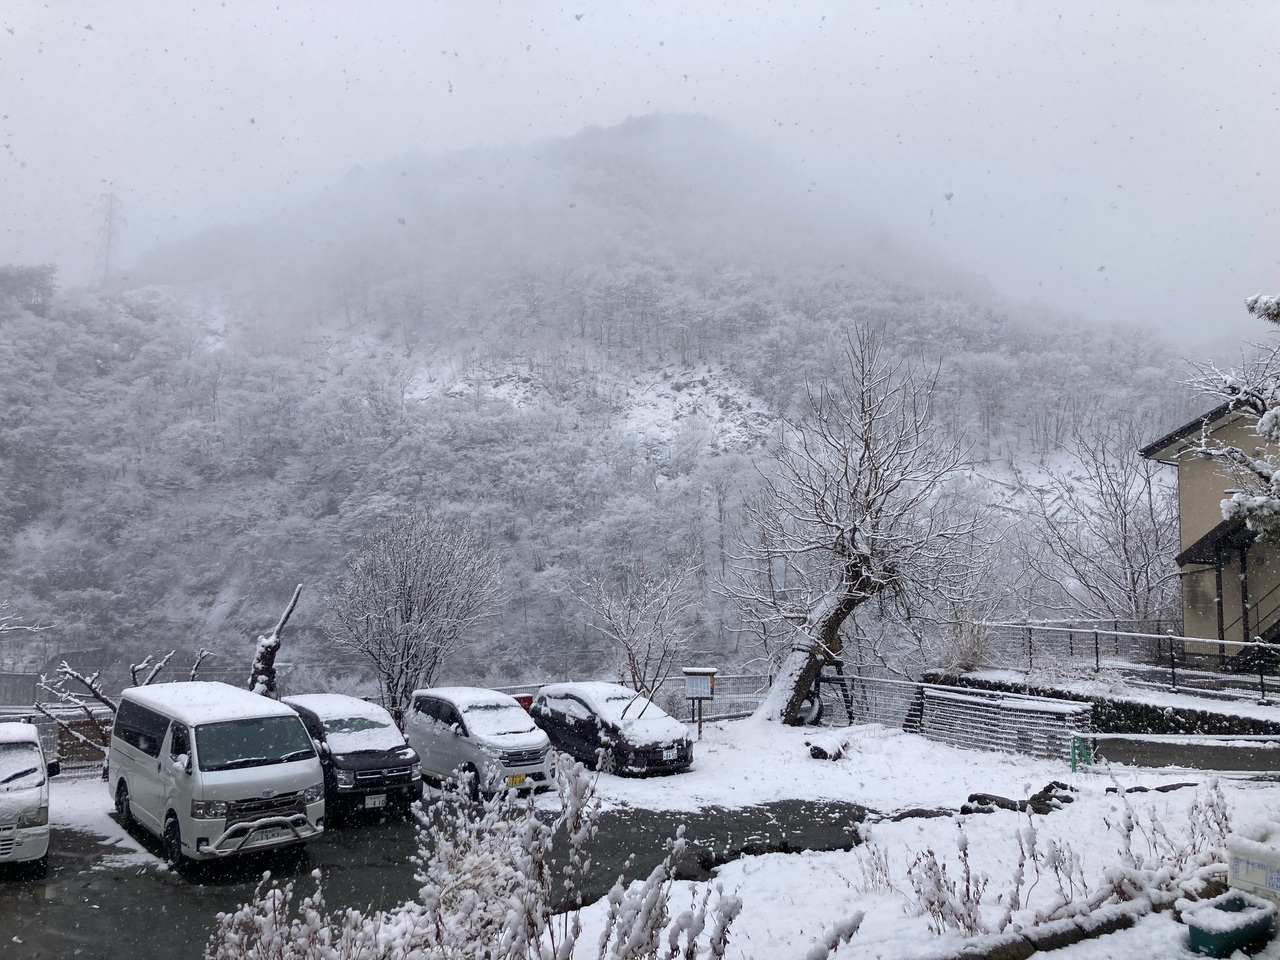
[480, 734]
[213, 770]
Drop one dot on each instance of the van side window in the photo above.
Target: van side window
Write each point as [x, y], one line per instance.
[140, 727]
[179, 742]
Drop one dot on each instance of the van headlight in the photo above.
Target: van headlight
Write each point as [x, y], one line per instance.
[208, 809]
[313, 793]
[34, 818]
[346, 778]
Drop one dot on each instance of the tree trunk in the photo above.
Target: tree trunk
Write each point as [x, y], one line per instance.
[795, 680]
[262, 679]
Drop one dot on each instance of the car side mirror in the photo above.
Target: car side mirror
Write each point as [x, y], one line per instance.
[186, 764]
[54, 768]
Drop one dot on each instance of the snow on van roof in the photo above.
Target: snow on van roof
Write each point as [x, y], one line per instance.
[205, 701]
[337, 706]
[464, 697]
[16, 731]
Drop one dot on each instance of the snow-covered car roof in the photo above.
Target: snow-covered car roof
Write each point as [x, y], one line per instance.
[593, 691]
[205, 701]
[464, 697]
[337, 706]
[16, 731]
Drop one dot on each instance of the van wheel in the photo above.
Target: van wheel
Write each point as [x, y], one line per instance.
[173, 855]
[123, 811]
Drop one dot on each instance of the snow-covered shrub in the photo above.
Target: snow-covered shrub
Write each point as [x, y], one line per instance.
[873, 869]
[1051, 881]
[950, 904]
[490, 889]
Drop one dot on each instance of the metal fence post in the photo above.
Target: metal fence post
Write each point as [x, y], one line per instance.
[1173, 666]
[1097, 653]
[1030, 663]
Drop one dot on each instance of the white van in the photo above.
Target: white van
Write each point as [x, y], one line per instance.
[213, 770]
[24, 797]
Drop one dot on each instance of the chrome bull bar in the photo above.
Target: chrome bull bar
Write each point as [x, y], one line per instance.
[234, 838]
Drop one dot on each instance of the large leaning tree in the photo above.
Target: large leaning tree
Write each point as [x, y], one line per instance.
[410, 593]
[1254, 391]
[854, 510]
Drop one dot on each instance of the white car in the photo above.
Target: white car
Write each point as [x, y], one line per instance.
[24, 797]
[485, 735]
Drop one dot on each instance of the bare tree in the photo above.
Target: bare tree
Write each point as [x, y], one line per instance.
[1103, 530]
[408, 596]
[647, 616]
[855, 511]
[10, 623]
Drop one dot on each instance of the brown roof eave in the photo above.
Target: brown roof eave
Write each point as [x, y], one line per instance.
[1163, 450]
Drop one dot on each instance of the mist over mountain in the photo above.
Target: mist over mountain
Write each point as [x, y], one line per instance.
[584, 347]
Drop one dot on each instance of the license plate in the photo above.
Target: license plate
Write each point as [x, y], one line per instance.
[373, 801]
[669, 753]
[515, 780]
[269, 834]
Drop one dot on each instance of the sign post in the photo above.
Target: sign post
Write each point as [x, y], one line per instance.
[699, 687]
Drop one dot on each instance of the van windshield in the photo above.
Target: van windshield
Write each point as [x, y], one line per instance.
[256, 742]
[21, 765]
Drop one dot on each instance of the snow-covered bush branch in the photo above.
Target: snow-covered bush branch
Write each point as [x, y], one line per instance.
[491, 889]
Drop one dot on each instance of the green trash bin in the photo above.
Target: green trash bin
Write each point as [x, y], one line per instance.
[1233, 921]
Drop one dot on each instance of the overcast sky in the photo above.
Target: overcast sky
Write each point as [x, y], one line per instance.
[1117, 158]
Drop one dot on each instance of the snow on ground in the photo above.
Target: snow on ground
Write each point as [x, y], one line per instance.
[791, 898]
[85, 805]
[740, 763]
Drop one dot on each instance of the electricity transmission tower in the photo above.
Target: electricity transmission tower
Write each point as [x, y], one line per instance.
[108, 236]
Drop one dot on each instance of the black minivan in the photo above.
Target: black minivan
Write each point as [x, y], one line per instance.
[367, 764]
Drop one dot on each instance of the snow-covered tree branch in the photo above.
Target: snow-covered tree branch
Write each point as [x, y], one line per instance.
[1103, 530]
[408, 597]
[647, 616]
[1253, 391]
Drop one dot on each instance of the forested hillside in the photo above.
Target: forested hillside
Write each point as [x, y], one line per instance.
[583, 347]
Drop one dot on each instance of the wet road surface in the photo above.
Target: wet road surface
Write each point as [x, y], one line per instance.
[86, 910]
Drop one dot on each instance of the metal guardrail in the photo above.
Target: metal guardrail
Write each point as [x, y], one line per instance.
[1165, 657]
[737, 695]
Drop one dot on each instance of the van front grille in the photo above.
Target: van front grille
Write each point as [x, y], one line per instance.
[385, 775]
[255, 808]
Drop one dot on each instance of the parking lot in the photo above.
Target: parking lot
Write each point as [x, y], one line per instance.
[102, 901]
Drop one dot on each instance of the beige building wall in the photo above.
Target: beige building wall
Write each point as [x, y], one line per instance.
[1202, 486]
